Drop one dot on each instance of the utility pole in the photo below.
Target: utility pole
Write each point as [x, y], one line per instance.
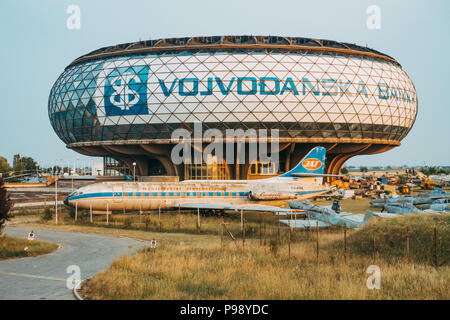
[72, 173]
[56, 199]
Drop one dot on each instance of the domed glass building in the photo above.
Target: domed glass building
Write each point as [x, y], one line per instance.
[124, 102]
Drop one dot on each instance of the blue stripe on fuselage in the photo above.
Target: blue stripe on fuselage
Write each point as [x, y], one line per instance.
[171, 194]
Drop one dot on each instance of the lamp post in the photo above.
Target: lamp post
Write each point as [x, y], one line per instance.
[56, 198]
[134, 171]
[72, 173]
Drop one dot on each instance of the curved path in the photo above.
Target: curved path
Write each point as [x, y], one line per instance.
[44, 277]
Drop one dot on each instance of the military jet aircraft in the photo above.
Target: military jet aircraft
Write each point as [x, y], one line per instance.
[330, 215]
[441, 205]
[401, 208]
[424, 198]
[395, 198]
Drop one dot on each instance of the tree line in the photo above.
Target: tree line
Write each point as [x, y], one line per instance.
[21, 165]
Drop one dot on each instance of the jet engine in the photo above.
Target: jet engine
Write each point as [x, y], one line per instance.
[259, 196]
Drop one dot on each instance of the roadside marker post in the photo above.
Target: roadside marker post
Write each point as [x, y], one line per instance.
[374, 247]
[179, 217]
[31, 236]
[243, 230]
[231, 236]
[407, 243]
[221, 235]
[198, 219]
[260, 234]
[159, 217]
[317, 241]
[153, 244]
[289, 241]
[295, 224]
[279, 237]
[435, 248]
[264, 222]
[345, 243]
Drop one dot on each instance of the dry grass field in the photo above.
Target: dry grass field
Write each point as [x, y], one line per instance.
[204, 263]
[11, 247]
[212, 270]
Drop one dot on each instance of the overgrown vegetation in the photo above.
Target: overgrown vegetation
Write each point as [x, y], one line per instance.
[47, 214]
[210, 270]
[5, 205]
[396, 239]
[194, 263]
[435, 170]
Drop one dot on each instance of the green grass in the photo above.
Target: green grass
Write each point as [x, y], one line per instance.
[11, 247]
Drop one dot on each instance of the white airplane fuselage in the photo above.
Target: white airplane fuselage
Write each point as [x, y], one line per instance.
[115, 196]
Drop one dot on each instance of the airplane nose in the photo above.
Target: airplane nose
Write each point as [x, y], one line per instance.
[66, 201]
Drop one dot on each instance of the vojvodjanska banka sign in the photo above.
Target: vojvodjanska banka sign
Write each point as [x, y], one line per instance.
[160, 90]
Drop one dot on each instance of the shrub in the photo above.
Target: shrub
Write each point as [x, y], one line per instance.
[47, 215]
[127, 222]
[5, 205]
[72, 212]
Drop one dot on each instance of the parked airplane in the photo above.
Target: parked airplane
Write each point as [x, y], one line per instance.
[424, 198]
[405, 208]
[303, 181]
[388, 199]
[331, 215]
[401, 208]
[442, 205]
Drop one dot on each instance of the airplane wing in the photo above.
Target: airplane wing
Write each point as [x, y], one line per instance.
[304, 223]
[253, 207]
[211, 206]
[305, 174]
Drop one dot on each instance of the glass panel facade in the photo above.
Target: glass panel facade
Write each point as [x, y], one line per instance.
[113, 167]
[302, 94]
[211, 170]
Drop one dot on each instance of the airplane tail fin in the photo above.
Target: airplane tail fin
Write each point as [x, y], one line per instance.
[312, 163]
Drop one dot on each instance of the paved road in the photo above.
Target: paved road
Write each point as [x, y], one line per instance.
[44, 277]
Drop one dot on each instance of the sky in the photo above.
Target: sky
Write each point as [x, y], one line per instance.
[36, 46]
